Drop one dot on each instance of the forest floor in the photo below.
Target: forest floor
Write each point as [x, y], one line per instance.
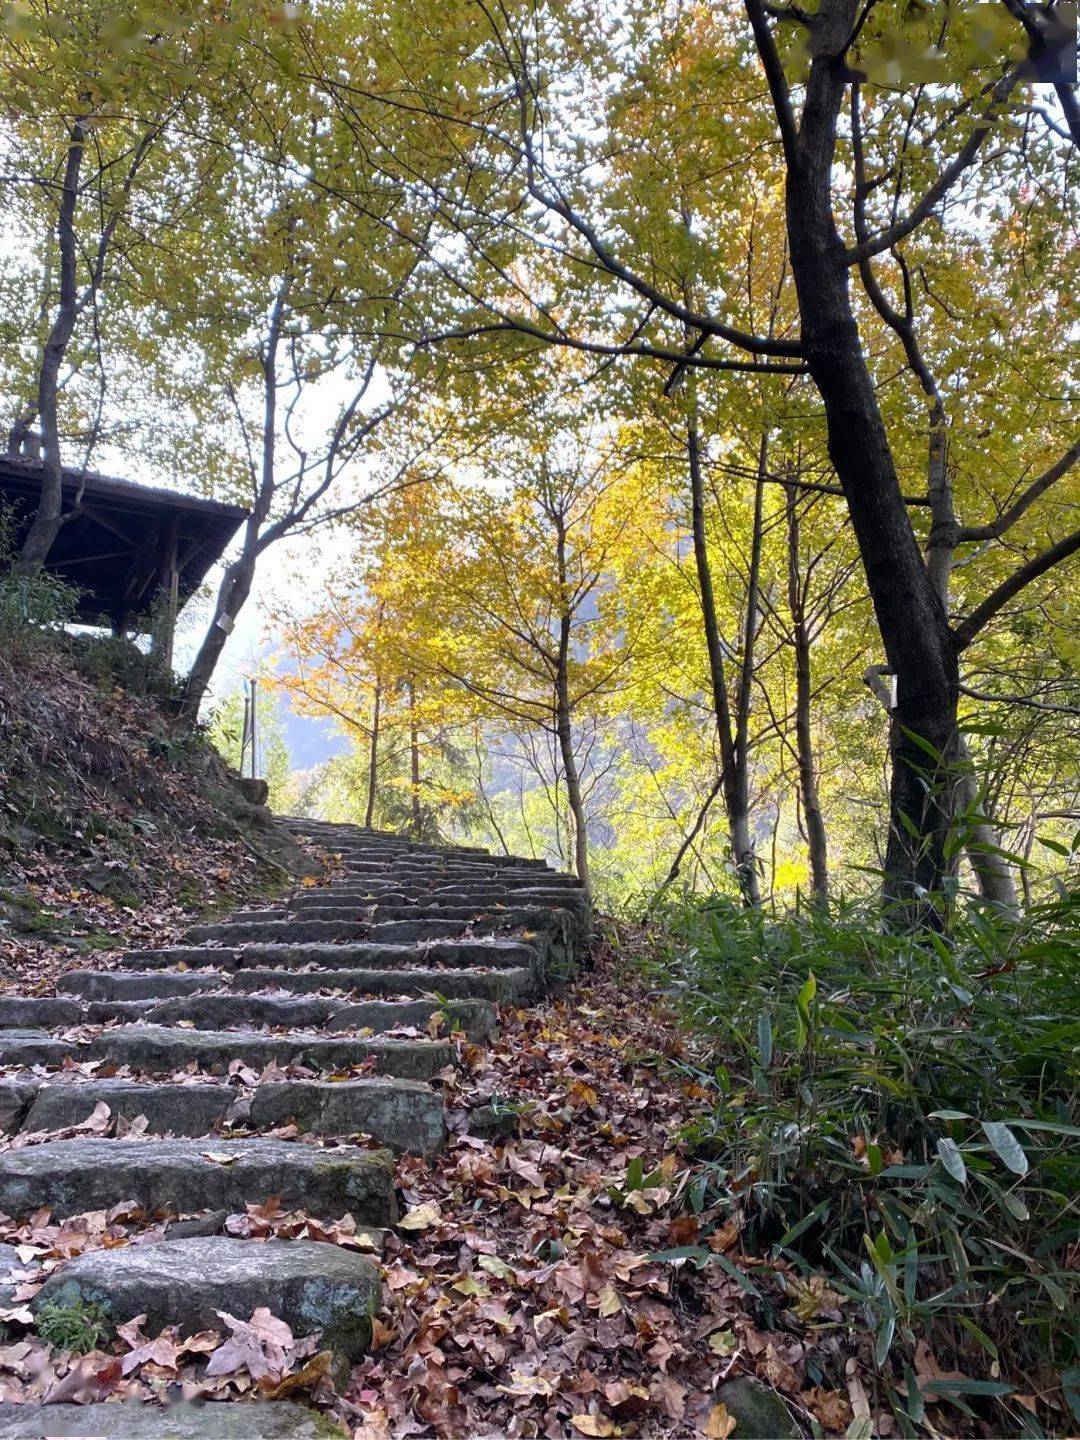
[521, 1296]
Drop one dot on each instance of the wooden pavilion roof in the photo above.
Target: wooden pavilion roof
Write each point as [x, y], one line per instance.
[114, 549]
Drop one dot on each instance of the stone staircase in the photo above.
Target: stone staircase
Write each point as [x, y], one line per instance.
[381, 971]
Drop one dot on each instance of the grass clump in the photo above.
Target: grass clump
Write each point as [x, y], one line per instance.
[900, 1114]
[77, 1328]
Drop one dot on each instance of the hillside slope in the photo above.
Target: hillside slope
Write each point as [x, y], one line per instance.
[117, 822]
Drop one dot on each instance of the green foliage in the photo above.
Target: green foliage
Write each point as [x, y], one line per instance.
[77, 1328]
[901, 1114]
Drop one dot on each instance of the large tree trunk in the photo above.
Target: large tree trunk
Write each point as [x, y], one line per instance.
[813, 819]
[734, 767]
[48, 518]
[912, 620]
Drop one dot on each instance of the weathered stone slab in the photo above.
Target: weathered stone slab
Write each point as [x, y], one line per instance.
[130, 1420]
[452, 953]
[33, 1012]
[217, 1012]
[170, 1109]
[504, 987]
[476, 1017]
[310, 1285]
[402, 1114]
[282, 930]
[156, 1049]
[219, 957]
[16, 1097]
[70, 1176]
[103, 1012]
[139, 985]
[34, 1047]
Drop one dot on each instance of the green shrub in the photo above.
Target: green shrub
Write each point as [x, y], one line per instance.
[900, 1113]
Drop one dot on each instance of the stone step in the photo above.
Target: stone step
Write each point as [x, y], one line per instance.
[38, 1012]
[308, 1284]
[510, 986]
[152, 985]
[402, 1114]
[406, 1116]
[513, 985]
[479, 952]
[133, 1420]
[160, 1050]
[180, 1176]
[285, 929]
[222, 1011]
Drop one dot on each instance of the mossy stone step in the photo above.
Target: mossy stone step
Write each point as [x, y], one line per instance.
[182, 1176]
[311, 1285]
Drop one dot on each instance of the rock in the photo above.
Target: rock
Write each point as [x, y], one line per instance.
[254, 790]
[192, 956]
[493, 1122]
[212, 1224]
[34, 1047]
[130, 1420]
[399, 1113]
[16, 1096]
[759, 1413]
[170, 1109]
[38, 1011]
[183, 1176]
[9, 1262]
[310, 1285]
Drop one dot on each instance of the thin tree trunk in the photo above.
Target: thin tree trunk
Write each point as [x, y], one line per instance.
[373, 757]
[237, 581]
[745, 860]
[47, 519]
[563, 720]
[814, 820]
[414, 764]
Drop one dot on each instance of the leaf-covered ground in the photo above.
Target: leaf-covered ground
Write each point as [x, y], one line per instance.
[520, 1294]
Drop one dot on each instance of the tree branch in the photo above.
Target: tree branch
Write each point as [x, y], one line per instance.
[964, 633]
[996, 528]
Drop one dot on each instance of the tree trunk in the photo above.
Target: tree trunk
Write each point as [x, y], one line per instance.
[912, 620]
[373, 758]
[414, 764]
[563, 727]
[233, 593]
[47, 519]
[734, 772]
[237, 580]
[813, 819]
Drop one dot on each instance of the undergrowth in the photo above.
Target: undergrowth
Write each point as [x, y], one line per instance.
[899, 1114]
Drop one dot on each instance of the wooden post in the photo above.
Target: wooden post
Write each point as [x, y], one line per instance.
[163, 634]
